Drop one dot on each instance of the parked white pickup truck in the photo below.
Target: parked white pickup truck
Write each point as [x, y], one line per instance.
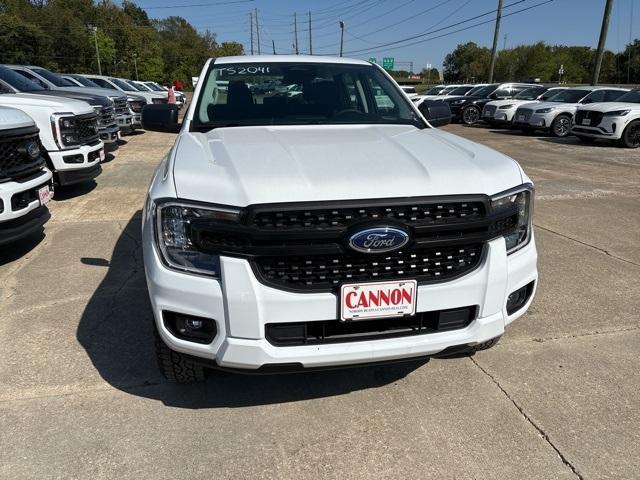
[25, 182]
[332, 228]
[68, 134]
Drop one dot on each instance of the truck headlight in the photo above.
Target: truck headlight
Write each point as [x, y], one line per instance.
[175, 234]
[520, 201]
[65, 131]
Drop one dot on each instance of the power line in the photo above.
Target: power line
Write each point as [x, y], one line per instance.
[212, 4]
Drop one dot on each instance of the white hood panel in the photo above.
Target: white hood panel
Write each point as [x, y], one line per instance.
[241, 166]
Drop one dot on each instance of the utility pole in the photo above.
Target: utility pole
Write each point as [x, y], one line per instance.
[602, 41]
[295, 31]
[341, 36]
[251, 25]
[630, 42]
[504, 42]
[95, 39]
[273, 43]
[135, 64]
[496, 33]
[257, 32]
[310, 43]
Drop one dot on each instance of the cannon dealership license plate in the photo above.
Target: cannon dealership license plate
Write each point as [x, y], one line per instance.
[44, 194]
[361, 301]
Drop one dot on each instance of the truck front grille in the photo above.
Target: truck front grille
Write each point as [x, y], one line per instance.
[328, 271]
[15, 161]
[305, 247]
[106, 116]
[121, 106]
[87, 128]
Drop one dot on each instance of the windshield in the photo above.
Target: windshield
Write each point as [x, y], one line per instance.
[86, 82]
[447, 90]
[530, 93]
[54, 78]
[483, 92]
[279, 93]
[550, 93]
[460, 90]
[19, 82]
[122, 85]
[153, 86]
[136, 87]
[630, 97]
[569, 96]
[433, 91]
[142, 87]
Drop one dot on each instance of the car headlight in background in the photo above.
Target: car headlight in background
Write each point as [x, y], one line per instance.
[616, 113]
[174, 224]
[505, 107]
[136, 105]
[545, 110]
[457, 102]
[518, 200]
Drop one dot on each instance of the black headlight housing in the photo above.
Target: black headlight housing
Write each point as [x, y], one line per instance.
[520, 200]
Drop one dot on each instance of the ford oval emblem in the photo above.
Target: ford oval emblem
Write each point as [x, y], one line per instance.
[33, 150]
[378, 240]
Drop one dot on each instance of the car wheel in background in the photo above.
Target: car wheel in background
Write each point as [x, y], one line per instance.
[561, 126]
[470, 115]
[631, 135]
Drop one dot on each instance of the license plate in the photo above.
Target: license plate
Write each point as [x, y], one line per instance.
[586, 121]
[102, 155]
[44, 194]
[521, 118]
[360, 301]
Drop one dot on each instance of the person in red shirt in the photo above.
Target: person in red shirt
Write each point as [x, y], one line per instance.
[171, 95]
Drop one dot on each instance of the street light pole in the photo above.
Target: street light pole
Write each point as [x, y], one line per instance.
[135, 63]
[95, 39]
[341, 36]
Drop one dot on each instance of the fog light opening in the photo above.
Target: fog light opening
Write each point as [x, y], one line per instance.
[189, 327]
[519, 298]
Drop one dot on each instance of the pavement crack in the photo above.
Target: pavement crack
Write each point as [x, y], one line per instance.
[601, 250]
[540, 430]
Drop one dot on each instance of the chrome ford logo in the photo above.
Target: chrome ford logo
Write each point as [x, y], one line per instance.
[378, 240]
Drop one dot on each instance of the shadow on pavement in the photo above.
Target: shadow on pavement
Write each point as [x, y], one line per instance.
[574, 141]
[116, 332]
[72, 191]
[14, 251]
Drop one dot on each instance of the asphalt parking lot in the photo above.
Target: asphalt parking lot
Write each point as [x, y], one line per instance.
[80, 395]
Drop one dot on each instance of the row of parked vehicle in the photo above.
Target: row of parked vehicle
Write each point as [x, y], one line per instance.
[588, 112]
[53, 132]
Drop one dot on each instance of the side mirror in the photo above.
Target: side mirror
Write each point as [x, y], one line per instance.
[161, 117]
[438, 114]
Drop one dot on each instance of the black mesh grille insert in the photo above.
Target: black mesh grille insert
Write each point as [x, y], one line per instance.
[336, 331]
[15, 162]
[594, 118]
[328, 271]
[326, 218]
[87, 129]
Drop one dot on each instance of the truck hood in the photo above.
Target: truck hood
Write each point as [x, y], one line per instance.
[24, 101]
[516, 103]
[13, 118]
[611, 106]
[100, 100]
[104, 92]
[241, 166]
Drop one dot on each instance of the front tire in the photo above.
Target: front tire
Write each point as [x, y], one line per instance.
[631, 135]
[484, 345]
[175, 366]
[561, 126]
[470, 115]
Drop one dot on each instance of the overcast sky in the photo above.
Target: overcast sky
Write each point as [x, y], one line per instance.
[370, 23]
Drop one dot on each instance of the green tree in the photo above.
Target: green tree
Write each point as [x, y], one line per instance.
[467, 63]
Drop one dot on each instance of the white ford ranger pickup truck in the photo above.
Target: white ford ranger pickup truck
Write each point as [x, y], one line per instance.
[332, 228]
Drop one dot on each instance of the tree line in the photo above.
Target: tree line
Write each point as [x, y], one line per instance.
[60, 35]
[470, 62]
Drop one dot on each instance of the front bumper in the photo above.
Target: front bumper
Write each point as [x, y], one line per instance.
[124, 121]
[504, 116]
[609, 128]
[537, 121]
[24, 190]
[109, 135]
[14, 230]
[242, 306]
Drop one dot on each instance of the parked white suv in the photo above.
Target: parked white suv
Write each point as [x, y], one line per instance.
[25, 182]
[501, 112]
[618, 121]
[68, 134]
[555, 114]
[322, 230]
